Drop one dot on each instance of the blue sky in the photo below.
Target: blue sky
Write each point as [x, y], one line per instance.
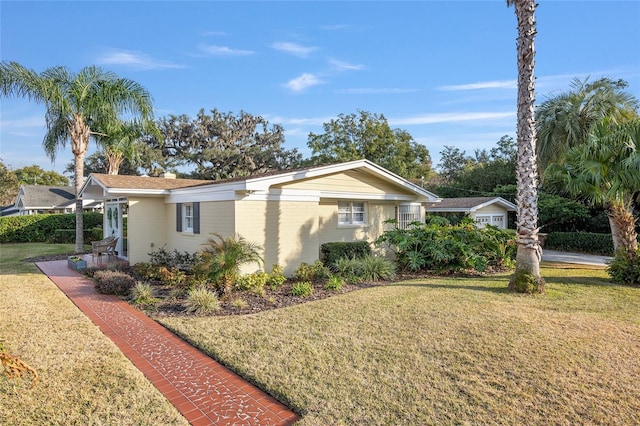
[445, 71]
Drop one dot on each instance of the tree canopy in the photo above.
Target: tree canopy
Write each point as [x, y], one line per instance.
[368, 136]
[36, 175]
[220, 145]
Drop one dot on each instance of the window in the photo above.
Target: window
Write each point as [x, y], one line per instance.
[188, 217]
[351, 213]
[407, 214]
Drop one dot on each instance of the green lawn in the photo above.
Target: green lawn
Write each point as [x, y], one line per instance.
[445, 351]
[83, 378]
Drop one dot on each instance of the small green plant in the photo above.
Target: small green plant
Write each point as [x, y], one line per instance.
[143, 294]
[523, 282]
[311, 272]
[113, 282]
[239, 303]
[276, 277]
[253, 283]
[375, 268]
[202, 301]
[334, 283]
[302, 289]
[625, 267]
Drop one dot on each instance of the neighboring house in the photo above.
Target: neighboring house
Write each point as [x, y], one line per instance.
[483, 210]
[11, 210]
[291, 214]
[40, 199]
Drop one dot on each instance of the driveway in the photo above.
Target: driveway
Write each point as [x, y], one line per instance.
[581, 258]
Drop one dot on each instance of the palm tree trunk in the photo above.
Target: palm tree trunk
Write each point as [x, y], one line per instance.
[623, 227]
[80, 134]
[529, 250]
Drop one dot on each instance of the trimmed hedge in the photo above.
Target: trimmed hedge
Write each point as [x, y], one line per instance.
[41, 228]
[330, 252]
[582, 242]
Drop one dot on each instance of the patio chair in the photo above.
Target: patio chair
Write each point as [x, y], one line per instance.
[107, 246]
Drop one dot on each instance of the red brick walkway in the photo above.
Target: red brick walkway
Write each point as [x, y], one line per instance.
[203, 390]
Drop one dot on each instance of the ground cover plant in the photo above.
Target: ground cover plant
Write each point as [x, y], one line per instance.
[444, 350]
[82, 377]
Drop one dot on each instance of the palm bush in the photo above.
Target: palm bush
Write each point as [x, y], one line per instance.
[222, 257]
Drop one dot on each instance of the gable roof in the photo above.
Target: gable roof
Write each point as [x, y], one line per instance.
[468, 204]
[43, 196]
[118, 185]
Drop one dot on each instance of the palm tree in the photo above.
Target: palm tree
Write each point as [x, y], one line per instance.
[604, 171]
[120, 142]
[74, 104]
[222, 257]
[529, 250]
[565, 120]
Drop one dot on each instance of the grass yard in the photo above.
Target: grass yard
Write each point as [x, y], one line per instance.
[83, 378]
[444, 351]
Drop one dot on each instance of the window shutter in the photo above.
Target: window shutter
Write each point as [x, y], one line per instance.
[179, 217]
[196, 218]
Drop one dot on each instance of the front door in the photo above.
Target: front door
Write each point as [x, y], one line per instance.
[115, 225]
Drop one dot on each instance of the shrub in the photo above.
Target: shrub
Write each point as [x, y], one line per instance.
[625, 267]
[331, 252]
[202, 301]
[302, 289]
[41, 228]
[253, 283]
[451, 248]
[584, 242]
[334, 283]
[276, 277]
[315, 271]
[368, 268]
[142, 293]
[113, 282]
[174, 259]
[145, 271]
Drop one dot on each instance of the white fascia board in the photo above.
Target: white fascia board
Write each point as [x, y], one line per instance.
[299, 195]
[501, 201]
[447, 210]
[220, 192]
[264, 183]
[368, 196]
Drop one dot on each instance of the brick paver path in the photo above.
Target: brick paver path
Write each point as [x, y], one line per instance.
[203, 390]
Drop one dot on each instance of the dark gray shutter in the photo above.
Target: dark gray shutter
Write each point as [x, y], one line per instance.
[179, 217]
[196, 218]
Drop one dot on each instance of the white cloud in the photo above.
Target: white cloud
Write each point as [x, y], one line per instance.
[213, 50]
[133, 59]
[497, 84]
[293, 48]
[452, 117]
[303, 82]
[345, 66]
[376, 91]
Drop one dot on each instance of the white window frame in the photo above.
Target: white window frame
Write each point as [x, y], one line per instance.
[412, 213]
[187, 217]
[348, 211]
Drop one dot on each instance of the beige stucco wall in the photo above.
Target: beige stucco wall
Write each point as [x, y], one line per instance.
[288, 231]
[146, 226]
[215, 216]
[351, 181]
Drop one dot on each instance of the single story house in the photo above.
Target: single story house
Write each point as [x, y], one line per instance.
[41, 199]
[483, 210]
[290, 213]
